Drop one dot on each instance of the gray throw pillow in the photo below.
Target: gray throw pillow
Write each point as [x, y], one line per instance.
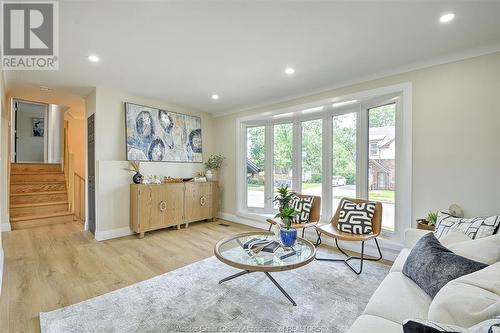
[431, 265]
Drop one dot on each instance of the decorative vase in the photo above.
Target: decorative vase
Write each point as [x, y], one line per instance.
[288, 237]
[209, 175]
[137, 178]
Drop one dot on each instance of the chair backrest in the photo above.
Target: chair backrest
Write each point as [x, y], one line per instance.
[315, 208]
[376, 220]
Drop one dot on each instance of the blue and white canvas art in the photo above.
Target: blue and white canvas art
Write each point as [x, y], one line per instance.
[157, 135]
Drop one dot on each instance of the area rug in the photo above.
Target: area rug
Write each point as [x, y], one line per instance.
[329, 298]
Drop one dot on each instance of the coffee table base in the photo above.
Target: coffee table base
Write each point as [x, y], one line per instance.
[270, 278]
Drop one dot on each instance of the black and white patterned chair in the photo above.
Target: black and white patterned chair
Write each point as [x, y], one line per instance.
[358, 231]
[314, 215]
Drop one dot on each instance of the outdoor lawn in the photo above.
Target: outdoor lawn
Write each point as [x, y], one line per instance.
[382, 195]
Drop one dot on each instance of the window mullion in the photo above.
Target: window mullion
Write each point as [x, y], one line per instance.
[327, 208]
[268, 166]
[297, 156]
[362, 154]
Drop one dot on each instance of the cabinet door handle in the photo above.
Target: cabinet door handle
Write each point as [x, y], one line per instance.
[163, 206]
[203, 201]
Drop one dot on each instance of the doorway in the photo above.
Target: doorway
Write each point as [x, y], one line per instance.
[30, 139]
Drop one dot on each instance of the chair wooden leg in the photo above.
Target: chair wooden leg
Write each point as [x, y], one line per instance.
[270, 226]
[303, 231]
[348, 257]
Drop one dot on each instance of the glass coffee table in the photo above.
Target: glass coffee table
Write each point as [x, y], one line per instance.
[256, 252]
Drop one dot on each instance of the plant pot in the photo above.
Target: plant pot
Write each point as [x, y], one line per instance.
[288, 237]
[211, 175]
[137, 178]
[423, 224]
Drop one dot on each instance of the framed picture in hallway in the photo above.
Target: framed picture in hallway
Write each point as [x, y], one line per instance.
[156, 135]
[38, 127]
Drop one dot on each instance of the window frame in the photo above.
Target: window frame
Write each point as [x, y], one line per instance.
[399, 94]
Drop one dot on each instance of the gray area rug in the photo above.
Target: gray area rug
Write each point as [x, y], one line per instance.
[329, 298]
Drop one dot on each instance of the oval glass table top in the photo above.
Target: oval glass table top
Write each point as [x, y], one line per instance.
[255, 251]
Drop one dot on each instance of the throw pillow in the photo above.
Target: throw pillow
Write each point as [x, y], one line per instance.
[475, 227]
[468, 300]
[303, 206]
[428, 326]
[485, 250]
[356, 218]
[431, 265]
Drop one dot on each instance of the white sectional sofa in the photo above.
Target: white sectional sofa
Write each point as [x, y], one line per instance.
[398, 298]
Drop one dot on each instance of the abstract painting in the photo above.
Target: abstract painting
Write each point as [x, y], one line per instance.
[164, 136]
[38, 127]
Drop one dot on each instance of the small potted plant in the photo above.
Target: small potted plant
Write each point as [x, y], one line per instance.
[287, 213]
[429, 222]
[213, 165]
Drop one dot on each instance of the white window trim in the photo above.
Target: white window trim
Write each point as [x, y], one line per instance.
[403, 207]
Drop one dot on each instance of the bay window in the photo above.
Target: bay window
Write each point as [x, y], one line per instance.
[357, 150]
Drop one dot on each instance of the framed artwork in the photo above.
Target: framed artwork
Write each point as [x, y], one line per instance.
[38, 127]
[156, 135]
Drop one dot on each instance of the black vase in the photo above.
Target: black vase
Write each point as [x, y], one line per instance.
[137, 178]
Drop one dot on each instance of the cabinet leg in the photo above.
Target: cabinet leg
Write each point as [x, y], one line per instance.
[141, 235]
[178, 227]
[187, 225]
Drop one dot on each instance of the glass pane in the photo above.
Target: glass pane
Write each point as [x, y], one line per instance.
[382, 160]
[344, 158]
[255, 176]
[283, 156]
[312, 132]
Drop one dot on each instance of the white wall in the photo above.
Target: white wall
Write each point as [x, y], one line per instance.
[30, 148]
[3, 170]
[456, 132]
[112, 181]
[55, 132]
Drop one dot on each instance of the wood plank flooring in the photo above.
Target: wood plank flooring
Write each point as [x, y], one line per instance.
[50, 267]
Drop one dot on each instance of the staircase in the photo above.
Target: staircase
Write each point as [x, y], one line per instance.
[38, 195]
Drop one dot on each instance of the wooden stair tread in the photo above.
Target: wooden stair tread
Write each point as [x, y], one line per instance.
[20, 194]
[38, 204]
[48, 172]
[39, 216]
[39, 182]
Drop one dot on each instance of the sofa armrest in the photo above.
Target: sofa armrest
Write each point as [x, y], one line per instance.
[413, 235]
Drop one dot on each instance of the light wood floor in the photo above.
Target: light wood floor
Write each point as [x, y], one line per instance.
[54, 266]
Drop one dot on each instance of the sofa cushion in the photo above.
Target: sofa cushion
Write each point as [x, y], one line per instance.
[431, 265]
[475, 227]
[485, 250]
[469, 299]
[400, 261]
[398, 298]
[373, 324]
[303, 206]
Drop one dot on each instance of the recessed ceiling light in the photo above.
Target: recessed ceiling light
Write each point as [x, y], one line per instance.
[318, 108]
[289, 71]
[336, 105]
[93, 58]
[215, 97]
[448, 17]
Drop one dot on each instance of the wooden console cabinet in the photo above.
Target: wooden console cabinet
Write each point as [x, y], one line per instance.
[159, 206]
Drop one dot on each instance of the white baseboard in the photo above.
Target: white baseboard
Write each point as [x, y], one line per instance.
[390, 249]
[5, 227]
[113, 233]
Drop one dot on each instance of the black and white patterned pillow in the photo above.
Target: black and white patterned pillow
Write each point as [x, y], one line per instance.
[356, 218]
[303, 206]
[427, 326]
[475, 227]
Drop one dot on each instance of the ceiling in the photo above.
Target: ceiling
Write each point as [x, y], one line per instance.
[183, 52]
